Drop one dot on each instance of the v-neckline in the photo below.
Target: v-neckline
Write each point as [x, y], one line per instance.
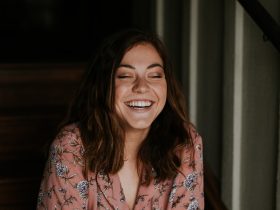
[112, 190]
[118, 179]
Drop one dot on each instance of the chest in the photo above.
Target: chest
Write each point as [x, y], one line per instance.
[129, 181]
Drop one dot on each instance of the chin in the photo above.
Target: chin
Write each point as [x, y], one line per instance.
[139, 126]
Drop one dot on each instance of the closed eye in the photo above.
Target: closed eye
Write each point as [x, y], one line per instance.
[124, 76]
[156, 75]
[125, 72]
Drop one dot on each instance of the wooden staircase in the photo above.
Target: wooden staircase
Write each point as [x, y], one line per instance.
[33, 100]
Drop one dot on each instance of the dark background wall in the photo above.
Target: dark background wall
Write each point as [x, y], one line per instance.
[64, 30]
[44, 49]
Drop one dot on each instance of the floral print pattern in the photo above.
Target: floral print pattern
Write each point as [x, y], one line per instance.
[190, 181]
[65, 186]
[82, 187]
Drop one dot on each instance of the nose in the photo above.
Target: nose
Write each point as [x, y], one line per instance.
[140, 85]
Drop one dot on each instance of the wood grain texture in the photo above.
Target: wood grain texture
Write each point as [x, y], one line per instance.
[33, 100]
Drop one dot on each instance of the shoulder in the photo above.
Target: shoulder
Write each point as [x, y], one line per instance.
[196, 139]
[192, 153]
[66, 152]
[68, 132]
[67, 143]
[68, 136]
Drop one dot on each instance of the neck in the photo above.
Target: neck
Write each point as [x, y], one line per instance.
[133, 140]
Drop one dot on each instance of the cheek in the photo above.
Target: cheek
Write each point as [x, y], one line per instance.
[164, 90]
[162, 94]
[119, 92]
[118, 100]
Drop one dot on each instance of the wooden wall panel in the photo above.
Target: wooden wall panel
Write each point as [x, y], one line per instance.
[33, 100]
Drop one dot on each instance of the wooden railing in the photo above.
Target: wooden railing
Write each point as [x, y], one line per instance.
[264, 20]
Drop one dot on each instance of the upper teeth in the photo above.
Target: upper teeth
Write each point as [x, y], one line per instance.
[140, 103]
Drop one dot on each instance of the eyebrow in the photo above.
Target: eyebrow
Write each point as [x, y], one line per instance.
[126, 66]
[155, 65]
[149, 67]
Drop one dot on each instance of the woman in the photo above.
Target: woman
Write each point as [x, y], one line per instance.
[126, 142]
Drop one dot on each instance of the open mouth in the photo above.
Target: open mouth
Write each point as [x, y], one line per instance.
[143, 104]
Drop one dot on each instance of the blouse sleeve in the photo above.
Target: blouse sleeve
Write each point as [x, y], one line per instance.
[63, 185]
[198, 186]
[187, 191]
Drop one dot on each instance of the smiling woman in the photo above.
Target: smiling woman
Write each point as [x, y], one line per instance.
[140, 88]
[126, 142]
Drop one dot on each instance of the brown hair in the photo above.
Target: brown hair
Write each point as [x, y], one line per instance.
[93, 109]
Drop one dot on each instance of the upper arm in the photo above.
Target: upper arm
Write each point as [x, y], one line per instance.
[188, 187]
[63, 184]
[198, 169]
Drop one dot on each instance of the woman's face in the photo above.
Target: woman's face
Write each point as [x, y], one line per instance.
[140, 87]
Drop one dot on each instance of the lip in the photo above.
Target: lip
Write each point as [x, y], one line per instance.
[139, 104]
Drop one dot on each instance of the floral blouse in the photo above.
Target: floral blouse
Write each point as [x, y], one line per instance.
[64, 185]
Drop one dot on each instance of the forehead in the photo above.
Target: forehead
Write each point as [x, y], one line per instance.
[142, 52]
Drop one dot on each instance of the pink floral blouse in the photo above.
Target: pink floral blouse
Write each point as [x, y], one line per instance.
[64, 186]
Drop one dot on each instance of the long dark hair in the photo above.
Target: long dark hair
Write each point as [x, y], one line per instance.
[93, 109]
